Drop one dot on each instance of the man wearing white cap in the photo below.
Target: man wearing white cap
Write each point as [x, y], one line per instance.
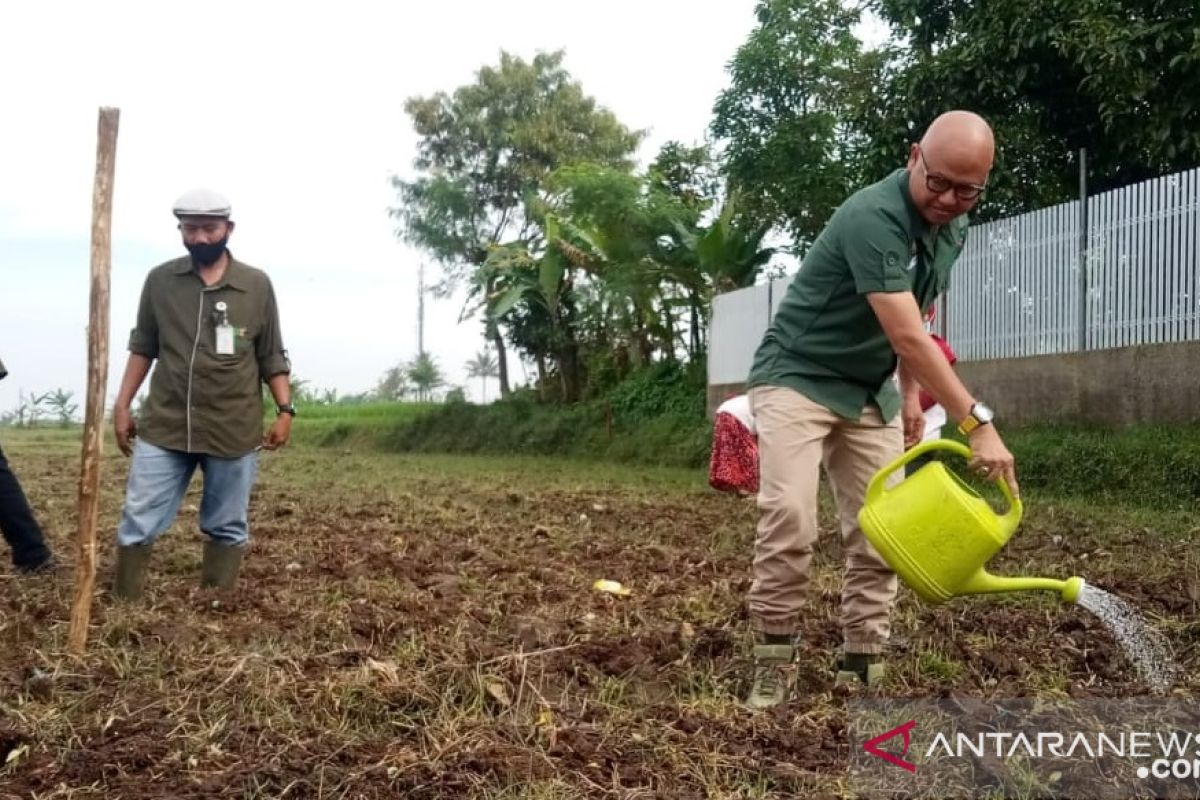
[212, 325]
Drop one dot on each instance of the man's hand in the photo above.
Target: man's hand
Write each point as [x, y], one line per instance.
[914, 420]
[124, 428]
[279, 433]
[991, 458]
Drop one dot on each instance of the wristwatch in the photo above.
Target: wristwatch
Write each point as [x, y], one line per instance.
[286, 408]
[979, 415]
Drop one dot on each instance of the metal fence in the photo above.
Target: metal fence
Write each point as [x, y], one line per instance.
[1017, 289]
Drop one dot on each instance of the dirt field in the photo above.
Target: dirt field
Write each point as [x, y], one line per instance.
[426, 628]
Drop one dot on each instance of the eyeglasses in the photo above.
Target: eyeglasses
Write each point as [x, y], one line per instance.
[939, 184]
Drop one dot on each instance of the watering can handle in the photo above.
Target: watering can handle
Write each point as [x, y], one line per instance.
[877, 486]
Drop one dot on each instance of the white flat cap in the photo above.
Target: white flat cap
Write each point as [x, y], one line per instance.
[202, 203]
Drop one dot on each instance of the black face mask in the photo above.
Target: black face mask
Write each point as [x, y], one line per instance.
[205, 255]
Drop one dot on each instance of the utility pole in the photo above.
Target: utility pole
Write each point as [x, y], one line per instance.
[421, 309]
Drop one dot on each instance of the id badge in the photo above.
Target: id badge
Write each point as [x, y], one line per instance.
[225, 340]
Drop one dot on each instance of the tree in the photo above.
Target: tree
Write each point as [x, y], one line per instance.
[729, 252]
[393, 385]
[483, 153]
[810, 115]
[30, 408]
[590, 282]
[482, 366]
[725, 255]
[689, 174]
[302, 393]
[60, 404]
[425, 375]
[795, 83]
[620, 227]
[619, 274]
[542, 283]
[1119, 77]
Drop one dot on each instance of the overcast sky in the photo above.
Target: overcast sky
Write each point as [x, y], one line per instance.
[295, 112]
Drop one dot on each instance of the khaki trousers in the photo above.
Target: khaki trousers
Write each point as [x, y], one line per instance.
[796, 436]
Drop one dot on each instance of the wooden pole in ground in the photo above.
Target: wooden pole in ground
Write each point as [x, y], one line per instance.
[93, 424]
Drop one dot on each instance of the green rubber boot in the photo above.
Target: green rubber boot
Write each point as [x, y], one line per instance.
[860, 669]
[129, 576]
[221, 565]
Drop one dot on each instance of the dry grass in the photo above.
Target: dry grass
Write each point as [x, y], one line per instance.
[426, 628]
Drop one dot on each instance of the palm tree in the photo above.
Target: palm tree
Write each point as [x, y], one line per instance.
[425, 374]
[483, 366]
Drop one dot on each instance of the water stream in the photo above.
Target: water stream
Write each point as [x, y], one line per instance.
[1146, 647]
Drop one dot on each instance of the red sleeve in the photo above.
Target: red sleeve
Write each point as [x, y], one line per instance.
[927, 400]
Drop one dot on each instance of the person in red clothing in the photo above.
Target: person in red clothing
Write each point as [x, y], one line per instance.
[935, 415]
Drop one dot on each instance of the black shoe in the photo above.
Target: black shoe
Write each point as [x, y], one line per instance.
[44, 567]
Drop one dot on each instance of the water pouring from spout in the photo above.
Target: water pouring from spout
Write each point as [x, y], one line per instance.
[1145, 647]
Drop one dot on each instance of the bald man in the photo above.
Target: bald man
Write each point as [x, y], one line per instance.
[822, 391]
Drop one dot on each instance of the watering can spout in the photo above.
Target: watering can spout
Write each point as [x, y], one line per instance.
[983, 582]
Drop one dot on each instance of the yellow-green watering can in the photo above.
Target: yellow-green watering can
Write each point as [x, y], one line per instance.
[938, 534]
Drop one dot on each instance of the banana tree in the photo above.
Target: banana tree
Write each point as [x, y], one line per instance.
[540, 284]
[725, 256]
[612, 221]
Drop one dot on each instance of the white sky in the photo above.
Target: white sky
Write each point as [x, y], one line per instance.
[294, 111]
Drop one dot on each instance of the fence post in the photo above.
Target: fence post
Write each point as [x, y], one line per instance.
[1083, 248]
[93, 437]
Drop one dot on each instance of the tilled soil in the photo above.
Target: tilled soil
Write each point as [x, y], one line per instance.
[401, 630]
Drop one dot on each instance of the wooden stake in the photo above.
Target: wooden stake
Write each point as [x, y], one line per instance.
[93, 425]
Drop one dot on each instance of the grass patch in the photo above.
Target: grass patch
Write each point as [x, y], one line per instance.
[339, 424]
[655, 418]
[1146, 466]
[525, 427]
[1149, 468]
[937, 667]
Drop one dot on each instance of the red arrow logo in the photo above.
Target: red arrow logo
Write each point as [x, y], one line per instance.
[872, 745]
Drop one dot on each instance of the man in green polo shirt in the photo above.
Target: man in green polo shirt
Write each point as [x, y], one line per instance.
[212, 325]
[822, 390]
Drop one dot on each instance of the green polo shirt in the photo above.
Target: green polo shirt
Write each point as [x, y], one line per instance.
[200, 400]
[825, 340]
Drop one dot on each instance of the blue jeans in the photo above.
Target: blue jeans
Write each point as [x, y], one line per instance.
[158, 481]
